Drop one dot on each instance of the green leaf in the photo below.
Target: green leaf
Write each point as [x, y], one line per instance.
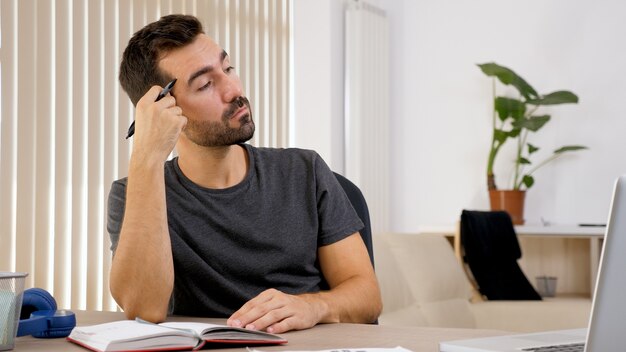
[514, 132]
[533, 123]
[500, 136]
[524, 161]
[531, 148]
[508, 77]
[509, 107]
[528, 181]
[569, 148]
[554, 98]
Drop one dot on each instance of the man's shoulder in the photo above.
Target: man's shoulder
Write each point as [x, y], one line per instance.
[283, 153]
[120, 182]
[118, 188]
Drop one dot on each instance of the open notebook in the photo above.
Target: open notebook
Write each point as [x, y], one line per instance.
[606, 330]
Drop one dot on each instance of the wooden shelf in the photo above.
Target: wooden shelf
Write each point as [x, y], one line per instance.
[569, 252]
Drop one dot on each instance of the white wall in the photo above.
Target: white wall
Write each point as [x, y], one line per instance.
[441, 105]
[441, 102]
[318, 79]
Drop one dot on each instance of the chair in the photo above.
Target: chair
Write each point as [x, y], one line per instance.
[491, 251]
[360, 206]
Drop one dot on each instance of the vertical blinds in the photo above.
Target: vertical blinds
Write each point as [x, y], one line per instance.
[64, 118]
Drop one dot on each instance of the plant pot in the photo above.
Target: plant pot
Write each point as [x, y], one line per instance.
[511, 201]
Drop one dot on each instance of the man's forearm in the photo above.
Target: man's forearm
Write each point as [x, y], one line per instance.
[142, 273]
[354, 296]
[356, 300]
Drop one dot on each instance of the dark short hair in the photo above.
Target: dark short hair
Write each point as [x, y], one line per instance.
[139, 68]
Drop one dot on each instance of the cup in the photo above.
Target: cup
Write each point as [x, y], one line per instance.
[11, 294]
[546, 286]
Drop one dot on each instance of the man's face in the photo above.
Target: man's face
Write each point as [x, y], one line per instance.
[210, 94]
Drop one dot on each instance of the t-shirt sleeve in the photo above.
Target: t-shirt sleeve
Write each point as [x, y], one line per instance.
[337, 218]
[115, 211]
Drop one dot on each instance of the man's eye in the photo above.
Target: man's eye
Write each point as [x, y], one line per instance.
[207, 85]
[229, 69]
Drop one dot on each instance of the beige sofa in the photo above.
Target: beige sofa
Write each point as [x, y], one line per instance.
[423, 284]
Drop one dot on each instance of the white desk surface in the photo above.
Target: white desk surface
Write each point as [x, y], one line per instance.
[321, 337]
[530, 230]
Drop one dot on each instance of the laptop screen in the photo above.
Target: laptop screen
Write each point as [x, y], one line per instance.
[606, 326]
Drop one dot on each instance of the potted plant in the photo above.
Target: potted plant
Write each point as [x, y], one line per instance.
[514, 119]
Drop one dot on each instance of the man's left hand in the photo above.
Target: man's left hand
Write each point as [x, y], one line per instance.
[278, 312]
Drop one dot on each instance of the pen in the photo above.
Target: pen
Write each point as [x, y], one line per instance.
[167, 89]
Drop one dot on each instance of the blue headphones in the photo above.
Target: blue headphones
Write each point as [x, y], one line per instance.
[39, 316]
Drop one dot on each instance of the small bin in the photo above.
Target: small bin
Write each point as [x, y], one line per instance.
[546, 286]
[11, 294]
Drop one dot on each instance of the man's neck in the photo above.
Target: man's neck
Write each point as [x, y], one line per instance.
[216, 168]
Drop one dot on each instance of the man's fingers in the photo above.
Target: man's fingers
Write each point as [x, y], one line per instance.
[176, 110]
[268, 315]
[167, 101]
[150, 96]
[254, 308]
[287, 324]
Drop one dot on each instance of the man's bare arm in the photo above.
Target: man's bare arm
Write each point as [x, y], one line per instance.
[142, 271]
[354, 296]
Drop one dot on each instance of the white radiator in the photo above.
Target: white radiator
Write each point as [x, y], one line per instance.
[367, 107]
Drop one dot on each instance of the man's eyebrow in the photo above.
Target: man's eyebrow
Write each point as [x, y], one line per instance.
[199, 73]
[205, 69]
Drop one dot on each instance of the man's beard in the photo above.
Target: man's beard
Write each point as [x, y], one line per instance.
[219, 134]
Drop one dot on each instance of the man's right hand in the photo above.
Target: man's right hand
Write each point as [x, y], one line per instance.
[157, 125]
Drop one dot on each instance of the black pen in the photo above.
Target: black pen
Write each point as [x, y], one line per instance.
[168, 87]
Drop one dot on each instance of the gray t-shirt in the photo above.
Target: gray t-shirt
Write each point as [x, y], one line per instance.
[231, 244]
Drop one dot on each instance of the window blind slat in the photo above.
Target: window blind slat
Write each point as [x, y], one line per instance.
[178, 7]
[44, 141]
[63, 153]
[79, 155]
[263, 67]
[26, 127]
[125, 113]
[253, 52]
[95, 123]
[272, 72]
[244, 43]
[283, 66]
[204, 14]
[139, 15]
[152, 10]
[8, 135]
[235, 46]
[111, 137]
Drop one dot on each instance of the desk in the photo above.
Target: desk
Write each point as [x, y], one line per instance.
[321, 337]
[537, 254]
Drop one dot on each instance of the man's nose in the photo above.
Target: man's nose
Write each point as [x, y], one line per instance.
[231, 89]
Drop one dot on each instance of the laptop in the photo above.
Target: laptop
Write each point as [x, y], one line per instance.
[607, 326]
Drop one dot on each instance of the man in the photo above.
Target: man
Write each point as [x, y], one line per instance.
[265, 237]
